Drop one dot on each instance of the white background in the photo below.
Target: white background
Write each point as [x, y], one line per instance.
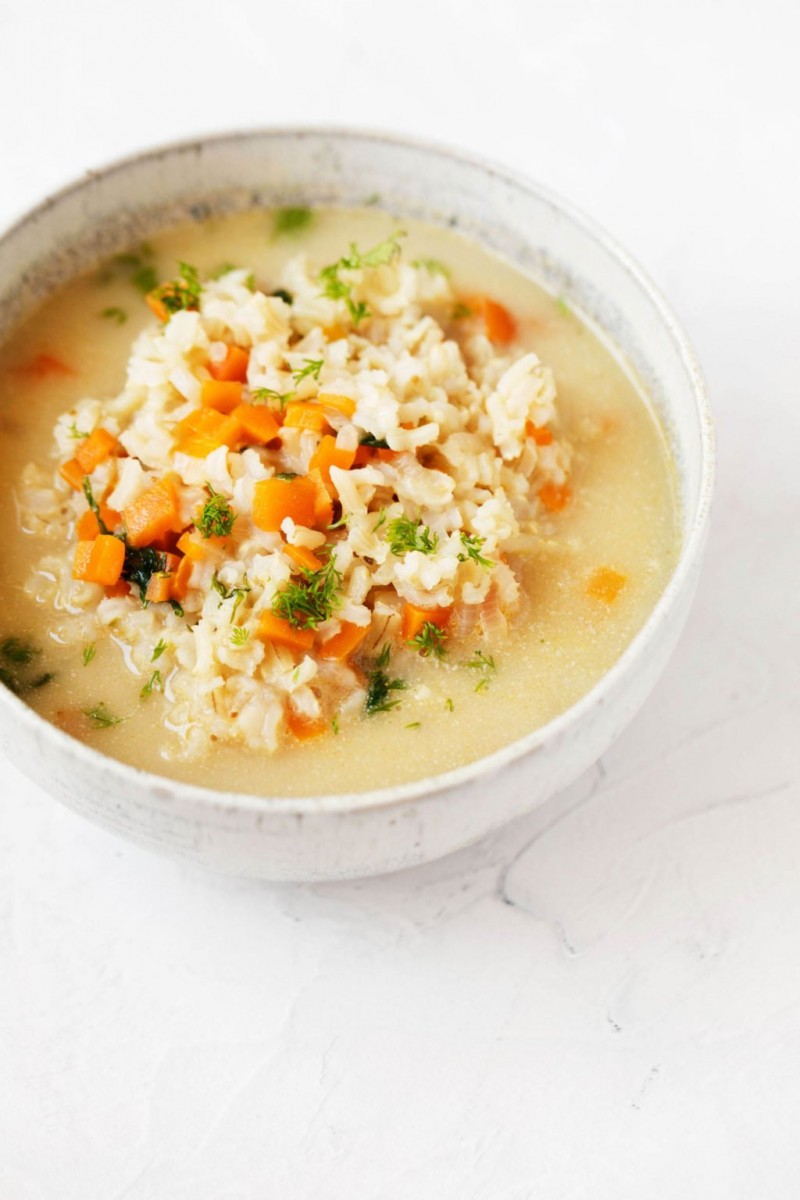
[603, 1001]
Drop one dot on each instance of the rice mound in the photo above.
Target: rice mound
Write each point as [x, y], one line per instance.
[456, 414]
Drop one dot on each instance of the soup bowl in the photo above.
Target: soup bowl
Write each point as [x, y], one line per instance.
[363, 833]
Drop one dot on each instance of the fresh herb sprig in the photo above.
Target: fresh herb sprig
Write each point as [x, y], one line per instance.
[405, 535]
[486, 665]
[472, 550]
[311, 370]
[102, 717]
[217, 517]
[237, 594]
[429, 641]
[265, 395]
[310, 598]
[380, 687]
[336, 288]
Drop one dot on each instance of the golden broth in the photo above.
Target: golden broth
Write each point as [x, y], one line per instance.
[623, 515]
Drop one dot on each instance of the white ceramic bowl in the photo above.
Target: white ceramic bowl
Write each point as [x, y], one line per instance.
[329, 837]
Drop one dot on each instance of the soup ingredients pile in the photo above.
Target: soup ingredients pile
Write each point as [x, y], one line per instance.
[303, 481]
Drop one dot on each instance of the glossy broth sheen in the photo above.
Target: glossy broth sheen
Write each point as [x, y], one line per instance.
[623, 515]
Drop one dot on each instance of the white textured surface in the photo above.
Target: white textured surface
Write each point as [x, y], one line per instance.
[604, 1000]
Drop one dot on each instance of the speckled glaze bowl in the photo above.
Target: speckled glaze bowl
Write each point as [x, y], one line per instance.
[339, 836]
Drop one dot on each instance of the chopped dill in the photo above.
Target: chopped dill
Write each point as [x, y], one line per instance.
[155, 682]
[237, 594]
[312, 368]
[282, 294]
[239, 635]
[376, 443]
[89, 653]
[17, 651]
[413, 725]
[286, 476]
[266, 395]
[158, 650]
[460, 311]
[145, 279]
[217, 517]
[449, 705]
[101, 716]
[74, 432]
[432, 265]
[93, 505]
[335, 724]
[429, 641]
[287, 222]
[310, 598]
[115, 314]
[484, 663]
[405, 535]
[336, 288]
[472, 550]
[380, 686]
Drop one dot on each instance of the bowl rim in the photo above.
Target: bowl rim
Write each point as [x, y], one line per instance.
[245, 803]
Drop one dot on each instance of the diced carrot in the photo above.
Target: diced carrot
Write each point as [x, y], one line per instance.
[87, 526]
[257, 422]
[323, 505]
[305, 728]
[120, 588]
[282, 633]
[304, 557]
[275, 499]
[415, 617]
[99, 446]
[153, 514]
[159, 588]
[221, 395]
[332, 333]
[180, 578]
[99, 561]
[73, 473]
[368, 454]
[501, 327]
[555, 496]
[156, 304]
[300, 414]
[43, 365]
[190, 547]
[606, 584]
[342, 404]
[539, 433]
[205, 430]
[327, 455]
[345, 642]
[233, 366]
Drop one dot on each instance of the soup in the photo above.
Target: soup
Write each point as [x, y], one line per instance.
[341, 505]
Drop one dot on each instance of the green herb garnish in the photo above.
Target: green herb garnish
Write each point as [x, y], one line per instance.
[413, 725]
[286, 476]
[312, 368]
[18, 652]
[239, 635]
[93, 505]
[158, 650]
[154, 682]
[432, 265]
[290, 221]
[101, 716]
[264, 395]
[376, 443]
[115, 314]
[449, 705]
[140, 564]
[181, 294]
[217, 517]
[335, 724]
[145, 279]
[89, 653]
[472, 550]
[336, 288]
[405, 535]
[237, 594]
[310, 598]
[460, 311]
[74, 432]
[282, 294]
[484, 663]
[380, 686]
[429, 641]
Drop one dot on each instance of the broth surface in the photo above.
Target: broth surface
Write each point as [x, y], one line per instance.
[623, 515]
